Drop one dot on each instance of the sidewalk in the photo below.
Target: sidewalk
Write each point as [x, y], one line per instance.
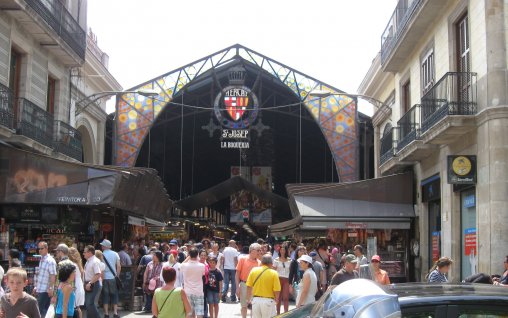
[226, 310]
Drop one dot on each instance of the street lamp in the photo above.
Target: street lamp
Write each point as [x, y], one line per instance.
[85, 102]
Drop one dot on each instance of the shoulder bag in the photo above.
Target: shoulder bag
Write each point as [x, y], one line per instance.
[254, 284]
[118, 281]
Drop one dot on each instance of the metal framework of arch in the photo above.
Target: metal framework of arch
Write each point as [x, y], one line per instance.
[336, 114]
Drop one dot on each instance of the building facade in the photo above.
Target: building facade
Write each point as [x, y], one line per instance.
[47, 63]
[442, 75]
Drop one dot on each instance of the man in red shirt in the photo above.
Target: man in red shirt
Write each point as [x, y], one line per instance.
[243, 268]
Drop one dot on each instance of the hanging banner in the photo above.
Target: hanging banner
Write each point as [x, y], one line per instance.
[262, 178]
[239, 201]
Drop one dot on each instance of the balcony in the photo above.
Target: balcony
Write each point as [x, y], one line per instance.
[49, 22]
[388, 145]
[407, 25]
[449, 107]
[409, 127]
[35, 123]
[68, 140]
[6, 107]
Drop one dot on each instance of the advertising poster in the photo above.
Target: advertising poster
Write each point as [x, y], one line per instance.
[435, 246]
[262, 178]
[241, 200]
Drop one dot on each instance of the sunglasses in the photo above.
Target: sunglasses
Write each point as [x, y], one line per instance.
[40, 248]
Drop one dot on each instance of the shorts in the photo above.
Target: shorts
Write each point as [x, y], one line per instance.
[197, 303]
[109, 292]
[243, 294]
[212, 297]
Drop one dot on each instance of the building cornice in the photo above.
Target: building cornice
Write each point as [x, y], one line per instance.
[490, 113]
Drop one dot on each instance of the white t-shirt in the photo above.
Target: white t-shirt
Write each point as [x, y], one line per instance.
[193, 272]
[176, 266]
[92, 267]
[229, 257]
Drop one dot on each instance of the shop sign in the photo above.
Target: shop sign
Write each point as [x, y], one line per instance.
[352, 234]
[461, 169]
[61, 230]
[236, 109]
[356, 226]
[470, 201]
[107, 227]
[470, 241]
[30, 215]
[135, 221]
[435, 246]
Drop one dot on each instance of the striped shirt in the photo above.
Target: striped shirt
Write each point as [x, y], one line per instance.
[47, 267]
[437, 277]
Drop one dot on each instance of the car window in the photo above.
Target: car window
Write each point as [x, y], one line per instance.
[483, 314]
[419, 315]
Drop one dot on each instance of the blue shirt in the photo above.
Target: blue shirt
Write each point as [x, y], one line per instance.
[112, 258]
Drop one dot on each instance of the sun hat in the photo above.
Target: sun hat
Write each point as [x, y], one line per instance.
[305, 258]
[106, 243]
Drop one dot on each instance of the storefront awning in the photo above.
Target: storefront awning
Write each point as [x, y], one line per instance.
[382, 203]
[30, 178]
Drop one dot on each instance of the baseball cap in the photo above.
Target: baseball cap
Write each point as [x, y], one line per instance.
[106, 243]
[173, 242]
[350, 258]
[305, 258]
[376, 258]
[174, 252]
[312, 254]
[63, 248]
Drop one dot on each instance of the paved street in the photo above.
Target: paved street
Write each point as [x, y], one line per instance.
[227, 310]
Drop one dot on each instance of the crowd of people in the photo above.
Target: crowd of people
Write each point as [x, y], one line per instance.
[193, 279]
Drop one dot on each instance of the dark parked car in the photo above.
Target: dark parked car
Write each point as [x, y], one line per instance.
[361, 298]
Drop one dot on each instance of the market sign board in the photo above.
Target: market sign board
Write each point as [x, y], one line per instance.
[462, 169]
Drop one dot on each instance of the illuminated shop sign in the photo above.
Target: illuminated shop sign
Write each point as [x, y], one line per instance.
[461, 169]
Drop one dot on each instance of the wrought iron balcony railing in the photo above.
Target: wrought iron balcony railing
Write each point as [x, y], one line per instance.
[35, 123]
[409, 127]
[62, 22]
[398, 23]
[6, 107]
[68, 140]
[389, 144]
[453, 94]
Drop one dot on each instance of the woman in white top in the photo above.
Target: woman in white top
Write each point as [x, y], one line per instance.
[282, 264]
[308, 284]
[100, 257]
[173, 263]
[75, 257]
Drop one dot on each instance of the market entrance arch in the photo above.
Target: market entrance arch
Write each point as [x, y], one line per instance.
[335, 115]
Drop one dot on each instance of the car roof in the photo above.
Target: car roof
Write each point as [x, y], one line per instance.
[423, 292]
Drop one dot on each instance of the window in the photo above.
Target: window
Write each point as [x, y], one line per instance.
[50, 95]
[462, 34]
[406, 96]
[427, 71]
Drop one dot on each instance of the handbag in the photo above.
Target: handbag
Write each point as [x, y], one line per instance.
[118, 281]
[51, 312]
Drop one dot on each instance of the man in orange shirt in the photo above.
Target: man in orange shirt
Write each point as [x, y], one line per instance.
[380, 275]
[243, 268]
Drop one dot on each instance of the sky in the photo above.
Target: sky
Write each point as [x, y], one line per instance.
[332, 41]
